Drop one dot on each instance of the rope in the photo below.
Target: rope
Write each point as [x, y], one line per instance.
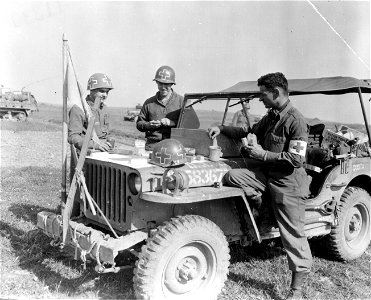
[74, 240]
[105, 219]
[97, 255]
[58, 235]
[45, 218]
[342, 39]
[83, 252]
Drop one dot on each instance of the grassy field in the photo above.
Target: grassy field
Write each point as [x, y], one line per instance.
[31, 268]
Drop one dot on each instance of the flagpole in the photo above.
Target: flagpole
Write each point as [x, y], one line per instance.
[64, 128]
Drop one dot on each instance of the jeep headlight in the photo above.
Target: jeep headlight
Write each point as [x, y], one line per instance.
[135, 183]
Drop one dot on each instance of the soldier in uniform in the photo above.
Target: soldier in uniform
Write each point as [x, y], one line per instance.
[241, 118]
[99, 85]
[282, 137]
[161, 112]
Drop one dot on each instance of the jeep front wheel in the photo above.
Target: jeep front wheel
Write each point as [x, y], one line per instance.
[187, 257]
[351, 237]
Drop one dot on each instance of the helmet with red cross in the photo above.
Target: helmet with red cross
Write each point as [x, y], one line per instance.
[99, 81]
[165, 74]
[168, 153]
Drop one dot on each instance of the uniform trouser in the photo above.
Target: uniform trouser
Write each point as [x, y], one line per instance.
[288, 193]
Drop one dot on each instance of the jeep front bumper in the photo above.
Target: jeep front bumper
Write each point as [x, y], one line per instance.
[88, 241]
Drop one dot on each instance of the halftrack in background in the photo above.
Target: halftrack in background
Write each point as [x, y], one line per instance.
[132, 114]
[16, 104]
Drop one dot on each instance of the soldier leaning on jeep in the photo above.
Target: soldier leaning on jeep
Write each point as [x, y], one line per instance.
[99, 85]
[283, 136]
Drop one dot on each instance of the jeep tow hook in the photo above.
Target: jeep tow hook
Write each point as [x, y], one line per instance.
[101, 269]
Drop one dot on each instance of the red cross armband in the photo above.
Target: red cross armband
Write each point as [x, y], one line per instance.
[298, 147]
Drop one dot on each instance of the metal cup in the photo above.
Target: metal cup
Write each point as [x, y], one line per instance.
[215, 152]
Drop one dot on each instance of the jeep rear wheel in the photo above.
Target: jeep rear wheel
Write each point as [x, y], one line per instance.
[187, 257]
[351, 237]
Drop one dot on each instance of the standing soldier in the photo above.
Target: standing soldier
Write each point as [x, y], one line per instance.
[99, 86]
[282, 135]
[161, 112]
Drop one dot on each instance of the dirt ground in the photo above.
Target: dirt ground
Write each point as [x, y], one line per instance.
[20, 153]
[22, 149]
[31, 161]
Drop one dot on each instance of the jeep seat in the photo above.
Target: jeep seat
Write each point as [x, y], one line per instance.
[315, 135]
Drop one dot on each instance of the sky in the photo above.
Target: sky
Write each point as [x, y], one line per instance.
[210, 45]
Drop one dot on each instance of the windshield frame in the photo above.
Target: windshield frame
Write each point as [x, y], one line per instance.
[228, 97]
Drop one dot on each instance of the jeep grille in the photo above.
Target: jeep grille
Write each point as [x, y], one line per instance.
[107, 186]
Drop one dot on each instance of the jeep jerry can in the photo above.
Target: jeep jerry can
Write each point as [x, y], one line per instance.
[174, 214]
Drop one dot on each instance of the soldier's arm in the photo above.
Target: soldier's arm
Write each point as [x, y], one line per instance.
[143, 122]
[76, 130]
[234, 132]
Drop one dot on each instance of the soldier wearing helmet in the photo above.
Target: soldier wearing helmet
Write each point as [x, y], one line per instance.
[161, 112]
[99, 85]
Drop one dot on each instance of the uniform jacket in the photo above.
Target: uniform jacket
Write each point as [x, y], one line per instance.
[78, 124]
[240, 120]
[153, 109]
[274, 133]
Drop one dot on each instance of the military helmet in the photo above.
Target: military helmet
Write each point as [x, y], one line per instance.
[165, 74]
[99, 81]
[168, 153]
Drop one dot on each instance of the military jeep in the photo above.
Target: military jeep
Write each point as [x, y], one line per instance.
[179, 220]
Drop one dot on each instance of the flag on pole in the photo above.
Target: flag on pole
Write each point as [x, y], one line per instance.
[74, 91]
[72, 86]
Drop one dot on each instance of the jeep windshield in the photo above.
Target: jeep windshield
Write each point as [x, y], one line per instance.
[202, 111]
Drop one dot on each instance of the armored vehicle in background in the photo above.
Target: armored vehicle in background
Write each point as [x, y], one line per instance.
[174, 214]
[132, 115]
[16, 104]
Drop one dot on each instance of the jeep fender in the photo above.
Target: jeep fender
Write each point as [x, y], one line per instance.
[201, 194]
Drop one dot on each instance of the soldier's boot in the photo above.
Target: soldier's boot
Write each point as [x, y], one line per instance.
[268, 223]
[296, 288]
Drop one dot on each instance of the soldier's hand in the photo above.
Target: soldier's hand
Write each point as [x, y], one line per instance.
[165, 121]
[255, 151]
[155, 123]
[104, 146]
[213, 132]
[99, 99]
